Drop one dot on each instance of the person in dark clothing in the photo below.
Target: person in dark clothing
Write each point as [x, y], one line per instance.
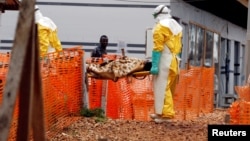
[100, 50]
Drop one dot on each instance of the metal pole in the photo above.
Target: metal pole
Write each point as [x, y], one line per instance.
[248, 45]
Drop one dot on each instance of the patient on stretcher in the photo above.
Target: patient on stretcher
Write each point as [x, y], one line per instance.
[114, 67]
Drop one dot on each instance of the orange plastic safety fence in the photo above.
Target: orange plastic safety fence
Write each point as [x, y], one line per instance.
[95, 92]
[240, 110]
[234, 111]
[179, 96]
[143, 98]
[187, 95]
[4, 67]
[2, 84]
[243, 92]
[118, 97]
[4, 64]
[125, 99]
[206, 90]
[113, 100]
[62, 85]
[193, 96]
[62, 88]
[194, 93]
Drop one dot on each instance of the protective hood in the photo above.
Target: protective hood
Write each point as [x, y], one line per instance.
[44, 21]
[161, 12]
[38, 14]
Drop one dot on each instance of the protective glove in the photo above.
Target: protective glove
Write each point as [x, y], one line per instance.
[155, 62]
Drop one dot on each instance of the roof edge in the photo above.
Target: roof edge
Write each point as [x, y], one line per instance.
[243, 2]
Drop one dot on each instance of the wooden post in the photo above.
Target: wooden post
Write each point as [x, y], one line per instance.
[38, 109]
[24, 77]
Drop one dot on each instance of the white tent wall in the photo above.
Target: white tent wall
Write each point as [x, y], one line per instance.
[84, 22]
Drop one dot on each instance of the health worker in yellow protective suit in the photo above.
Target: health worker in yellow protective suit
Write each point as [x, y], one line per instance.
[47, 34]
[167, 34]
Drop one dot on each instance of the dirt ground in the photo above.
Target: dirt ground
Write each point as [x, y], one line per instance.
[86, 129]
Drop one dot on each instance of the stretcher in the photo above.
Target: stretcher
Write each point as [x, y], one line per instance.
[137, 75]
[113, 67]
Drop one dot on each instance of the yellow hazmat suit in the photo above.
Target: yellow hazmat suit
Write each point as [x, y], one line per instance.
[47, 33]
[167, 35]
